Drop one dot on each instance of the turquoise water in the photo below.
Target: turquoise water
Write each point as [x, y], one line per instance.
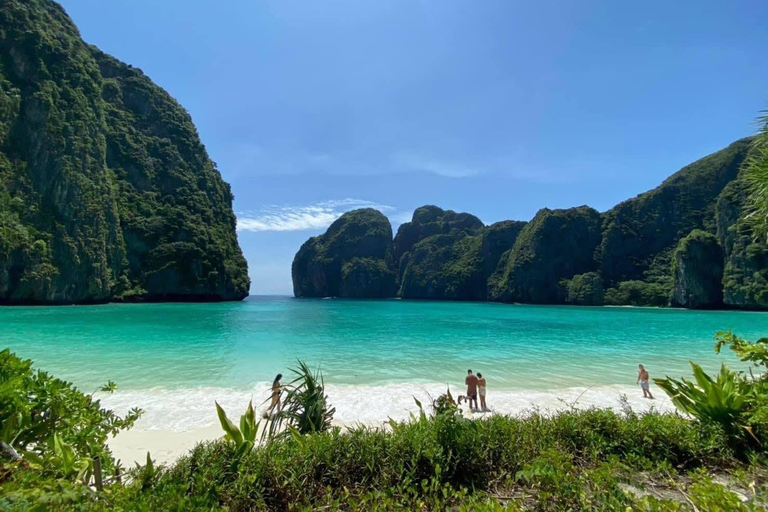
[235, 345]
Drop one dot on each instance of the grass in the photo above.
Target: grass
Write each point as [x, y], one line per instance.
[578, 460]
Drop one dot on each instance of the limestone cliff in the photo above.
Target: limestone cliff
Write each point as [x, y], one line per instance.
[353, 258]
[698, 271]
[106, 192]
[555, 245]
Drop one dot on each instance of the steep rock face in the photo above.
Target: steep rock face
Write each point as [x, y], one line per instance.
[498, 238]
[352, 259]
[556, 259]
[444, 267]
[745, 276]
[639, 235]
[431, 220]
[456, 263]
[698, 271]
[106, 191]
[555, 245]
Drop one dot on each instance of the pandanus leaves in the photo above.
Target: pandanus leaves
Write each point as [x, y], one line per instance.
[724, 400]
[305, 407]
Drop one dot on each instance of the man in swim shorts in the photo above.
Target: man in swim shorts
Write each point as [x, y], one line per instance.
[471, 382]
[643, 378]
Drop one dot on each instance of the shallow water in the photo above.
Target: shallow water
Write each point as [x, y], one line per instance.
[177, 355]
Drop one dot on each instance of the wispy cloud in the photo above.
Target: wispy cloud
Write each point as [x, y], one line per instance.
[246, 160]
[298, 218]
[419, 163]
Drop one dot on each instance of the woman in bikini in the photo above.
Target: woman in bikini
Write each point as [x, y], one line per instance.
[481, 391]
[276, 389]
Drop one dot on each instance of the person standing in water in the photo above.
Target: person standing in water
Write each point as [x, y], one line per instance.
[471, 382]
[481, 390]
[643, 378]
[276, 390]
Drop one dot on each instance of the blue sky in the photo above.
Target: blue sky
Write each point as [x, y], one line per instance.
[495, 107]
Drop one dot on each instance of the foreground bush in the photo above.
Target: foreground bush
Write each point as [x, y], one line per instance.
[574, 460]
[442, 461]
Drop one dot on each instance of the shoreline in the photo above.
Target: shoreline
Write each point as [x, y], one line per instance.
[176, 420]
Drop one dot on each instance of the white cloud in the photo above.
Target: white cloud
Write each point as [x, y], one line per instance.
[447, 169]
[298, 218]
[243, 160]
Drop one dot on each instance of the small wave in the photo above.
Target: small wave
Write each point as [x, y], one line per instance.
[193, 408]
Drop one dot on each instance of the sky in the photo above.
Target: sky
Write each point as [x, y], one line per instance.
[494, 107]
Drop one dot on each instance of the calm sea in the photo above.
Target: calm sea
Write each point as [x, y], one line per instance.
[374, 354]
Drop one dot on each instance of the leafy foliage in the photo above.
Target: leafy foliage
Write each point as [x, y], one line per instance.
[756, 176]
[724, 400]
[244, 437]
[584, 289]
[736, 402]
[577, 460]
[52, 423]
[305, 408]
[637, 293]
[745, 276]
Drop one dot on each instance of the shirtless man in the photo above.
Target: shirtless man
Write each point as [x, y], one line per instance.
[471, 382]
[643, 378]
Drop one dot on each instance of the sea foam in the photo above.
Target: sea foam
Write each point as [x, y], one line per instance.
[183, 410]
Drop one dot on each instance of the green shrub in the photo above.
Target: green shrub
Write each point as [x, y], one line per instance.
[53, 424]
[305, 408]
[638, 293]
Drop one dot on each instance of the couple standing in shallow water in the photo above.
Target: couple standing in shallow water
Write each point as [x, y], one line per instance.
[475, 386]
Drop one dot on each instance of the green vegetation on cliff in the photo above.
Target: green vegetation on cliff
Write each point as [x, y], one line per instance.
[431, 220]
[440, 256]
[352, 259]
[106, 191]
[639, 235]
[584, 289]
[656, 249]
[555, 245]
[444, 267]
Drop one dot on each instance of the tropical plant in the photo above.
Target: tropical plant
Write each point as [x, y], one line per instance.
[50, 422]
[725, 400]
[755, 353]
[68, 463]
[756, 174]
[445, 404]
[244, 437]
[305, 408]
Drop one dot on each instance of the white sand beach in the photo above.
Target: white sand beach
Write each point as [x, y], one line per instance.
[176, 420]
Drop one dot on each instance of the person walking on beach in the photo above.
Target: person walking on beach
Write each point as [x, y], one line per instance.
[276, 390]
[643, 378]
[481, 391]
[471, 382]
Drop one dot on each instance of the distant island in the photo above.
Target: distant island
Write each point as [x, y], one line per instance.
[106, 192]
[683, 244]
